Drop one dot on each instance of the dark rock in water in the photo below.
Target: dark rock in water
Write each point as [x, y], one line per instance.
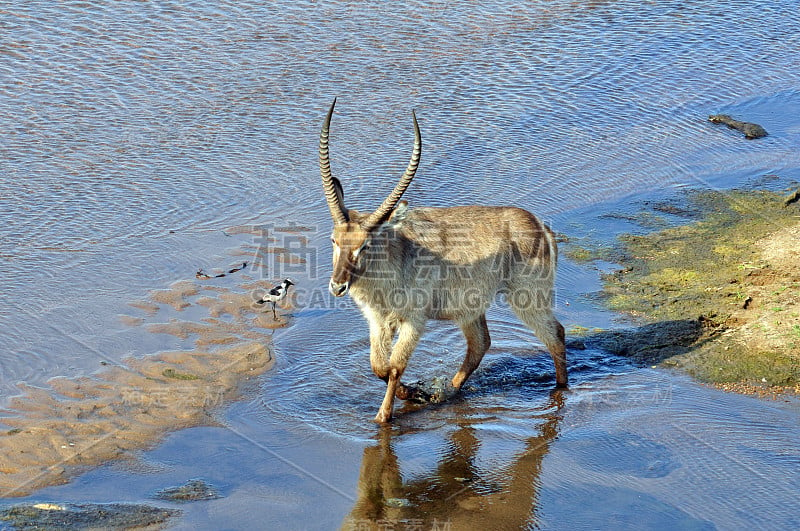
[84, 516]
[193, 490]
[750, 130]
[436, 391]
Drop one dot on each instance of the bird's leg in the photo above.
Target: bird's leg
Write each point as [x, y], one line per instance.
[274, 315]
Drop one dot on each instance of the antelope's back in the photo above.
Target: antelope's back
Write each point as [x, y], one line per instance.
[466, 234]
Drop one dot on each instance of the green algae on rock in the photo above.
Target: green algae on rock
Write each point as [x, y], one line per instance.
[85, 516]
[192, 490]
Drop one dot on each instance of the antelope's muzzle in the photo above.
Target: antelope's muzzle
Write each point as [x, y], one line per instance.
[338, 289]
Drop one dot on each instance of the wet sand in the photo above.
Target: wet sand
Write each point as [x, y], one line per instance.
[54, 433]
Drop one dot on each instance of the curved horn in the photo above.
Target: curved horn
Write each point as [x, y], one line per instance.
[338, 212]
[390, 202]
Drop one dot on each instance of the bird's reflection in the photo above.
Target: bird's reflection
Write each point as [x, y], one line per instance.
[456, 493]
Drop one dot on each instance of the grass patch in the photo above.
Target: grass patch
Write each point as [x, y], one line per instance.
[172, 373]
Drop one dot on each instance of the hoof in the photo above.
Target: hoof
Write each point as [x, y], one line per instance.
[383, 417]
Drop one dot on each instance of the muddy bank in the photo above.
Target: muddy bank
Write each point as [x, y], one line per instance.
[721, 294]
[51, 434]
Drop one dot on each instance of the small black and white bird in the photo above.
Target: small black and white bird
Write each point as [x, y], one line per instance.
[276, 294]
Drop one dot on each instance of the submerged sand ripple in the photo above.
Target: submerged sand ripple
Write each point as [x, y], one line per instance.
[56, 433]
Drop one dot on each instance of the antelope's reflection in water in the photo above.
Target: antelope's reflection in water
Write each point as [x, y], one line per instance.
[459, 492]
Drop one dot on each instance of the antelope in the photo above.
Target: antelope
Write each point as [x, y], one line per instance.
[405, 266]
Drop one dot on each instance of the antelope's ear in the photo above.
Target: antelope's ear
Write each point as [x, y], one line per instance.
[339, 204]
[397, 216]
[337, 186]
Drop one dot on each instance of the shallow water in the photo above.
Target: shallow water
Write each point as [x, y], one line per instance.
[135, 138]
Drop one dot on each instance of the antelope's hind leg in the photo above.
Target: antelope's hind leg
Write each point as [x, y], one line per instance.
[549, 331]
[555, 342]
[478, 341]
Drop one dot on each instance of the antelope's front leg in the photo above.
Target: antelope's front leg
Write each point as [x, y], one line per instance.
[401, 352]
[381, 334]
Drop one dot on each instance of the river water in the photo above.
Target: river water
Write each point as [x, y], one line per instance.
[135, 138]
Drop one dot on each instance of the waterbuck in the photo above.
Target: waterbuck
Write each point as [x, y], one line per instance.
[403, 267]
